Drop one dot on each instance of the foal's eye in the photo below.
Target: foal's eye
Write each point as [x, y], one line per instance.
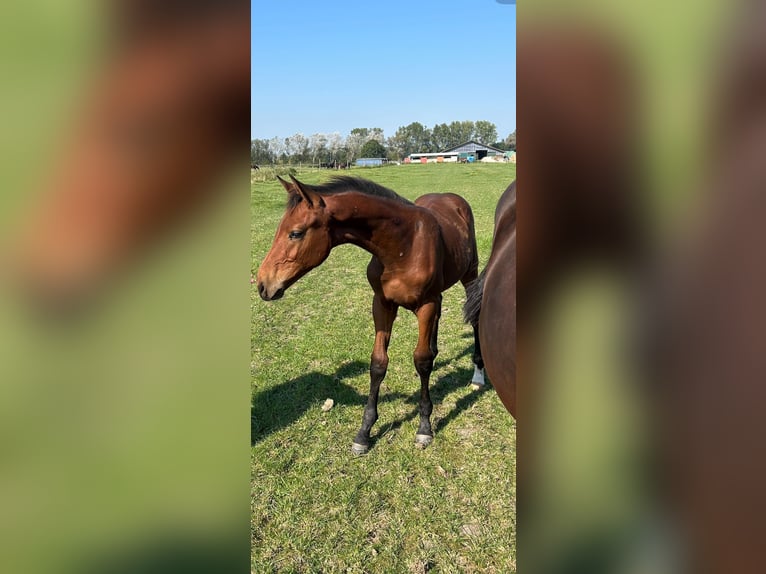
[297, 234]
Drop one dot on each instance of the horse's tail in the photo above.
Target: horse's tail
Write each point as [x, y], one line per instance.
[473, 294]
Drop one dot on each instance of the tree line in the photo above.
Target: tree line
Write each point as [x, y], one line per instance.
[332, 148]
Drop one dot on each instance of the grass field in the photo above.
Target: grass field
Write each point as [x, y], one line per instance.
[315, 506]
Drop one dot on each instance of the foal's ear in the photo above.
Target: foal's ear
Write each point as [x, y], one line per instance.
[311, 198]
[286, 184]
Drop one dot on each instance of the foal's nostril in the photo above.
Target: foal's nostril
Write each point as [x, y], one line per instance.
[261, 290]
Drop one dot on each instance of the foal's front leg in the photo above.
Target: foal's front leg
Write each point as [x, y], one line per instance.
[425, 352]
[383, 313]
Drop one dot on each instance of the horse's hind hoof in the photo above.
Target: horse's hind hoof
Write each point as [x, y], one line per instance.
[359, 449]
[423, 440]
[477, 381]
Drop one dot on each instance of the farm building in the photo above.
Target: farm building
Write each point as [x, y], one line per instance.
[468, 151]
[370, 161]
[437, 157]
[477, 150]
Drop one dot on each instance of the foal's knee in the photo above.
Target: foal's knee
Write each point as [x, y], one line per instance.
[378, 367]
[424, 362]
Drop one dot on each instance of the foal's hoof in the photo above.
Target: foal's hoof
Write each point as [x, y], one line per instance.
[359, 449]
[477, 386]
[423, 440]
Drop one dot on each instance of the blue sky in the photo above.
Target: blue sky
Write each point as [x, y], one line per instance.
[333, 66]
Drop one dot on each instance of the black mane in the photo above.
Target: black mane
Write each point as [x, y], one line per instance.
[345, 183]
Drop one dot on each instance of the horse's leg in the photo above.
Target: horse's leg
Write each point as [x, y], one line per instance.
[434, 343]
[478, 362]
[428, 318]
[383, 314]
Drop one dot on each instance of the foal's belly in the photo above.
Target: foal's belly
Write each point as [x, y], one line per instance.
[408, 285]
[403, 294]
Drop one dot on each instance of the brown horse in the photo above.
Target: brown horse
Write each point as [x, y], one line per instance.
[491, 303]
[418, 250]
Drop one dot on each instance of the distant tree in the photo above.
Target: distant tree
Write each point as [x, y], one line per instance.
[334, 144]
[410, 139]
[354, 143]
[297, 148]
[510, 141]
[361, 133]
[397, 144]
[377, 135]
[484, 132]
[421, 137]
[373, 148]
[461, 132]
[260, 153]
[441, 137]
[405, 133]
[368, 133]
[277, 149]
[317, 146]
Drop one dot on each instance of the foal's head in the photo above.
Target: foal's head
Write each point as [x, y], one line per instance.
[302, 241]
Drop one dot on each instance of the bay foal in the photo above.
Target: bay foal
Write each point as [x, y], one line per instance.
[418, 250]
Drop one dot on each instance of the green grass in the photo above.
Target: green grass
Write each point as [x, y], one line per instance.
[315, 506]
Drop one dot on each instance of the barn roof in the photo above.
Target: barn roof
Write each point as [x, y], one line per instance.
[473, 145]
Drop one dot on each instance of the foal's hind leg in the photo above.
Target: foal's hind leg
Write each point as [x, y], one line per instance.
[428, 319]
[383, 314]
[434, 342]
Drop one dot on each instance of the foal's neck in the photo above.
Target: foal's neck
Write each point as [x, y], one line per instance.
[381, 226]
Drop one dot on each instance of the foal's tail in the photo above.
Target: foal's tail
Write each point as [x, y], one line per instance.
[473, 294]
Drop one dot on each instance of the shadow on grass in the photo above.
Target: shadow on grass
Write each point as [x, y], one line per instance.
[278, 407]
[444, 386]
[441, 361]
